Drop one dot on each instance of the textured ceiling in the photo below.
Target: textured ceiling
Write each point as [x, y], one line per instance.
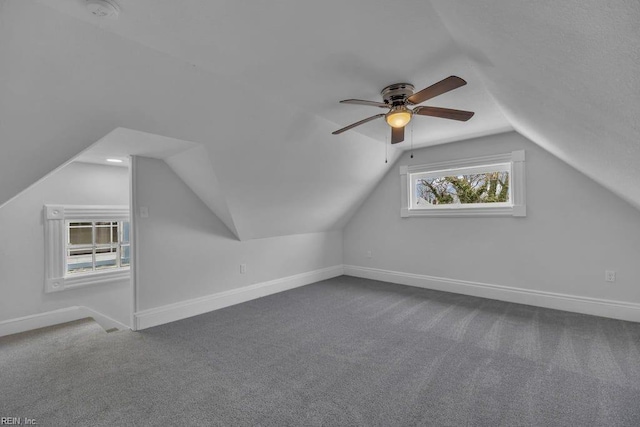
[256, 86]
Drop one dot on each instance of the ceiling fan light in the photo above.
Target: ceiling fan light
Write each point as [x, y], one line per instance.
[398, 117]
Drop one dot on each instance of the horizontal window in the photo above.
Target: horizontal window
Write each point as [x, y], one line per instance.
[492, 185]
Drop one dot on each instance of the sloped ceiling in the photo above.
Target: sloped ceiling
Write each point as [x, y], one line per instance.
[311, 54]
[566, 75]
[189, 160]
[257, 85]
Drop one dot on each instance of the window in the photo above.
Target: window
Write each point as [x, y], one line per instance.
[97, 245]
[483, 186]
[86, 245]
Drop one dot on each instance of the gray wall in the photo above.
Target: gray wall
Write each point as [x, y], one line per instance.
[22, 250]
[574, 230]
[186, 252]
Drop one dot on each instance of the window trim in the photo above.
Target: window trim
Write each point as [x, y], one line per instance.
[55, 218]
[516, 208]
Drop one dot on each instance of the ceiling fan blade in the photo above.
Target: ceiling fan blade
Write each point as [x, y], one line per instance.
[363, 102]
[444, 113]
[361, 122]
[443, 86]
[397, 135]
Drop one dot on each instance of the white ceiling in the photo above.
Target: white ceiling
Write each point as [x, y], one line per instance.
[313, 54]
[565, 74]
[122, 143]
[257, 86]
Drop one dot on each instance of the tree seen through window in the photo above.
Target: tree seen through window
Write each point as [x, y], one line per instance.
[490, 187]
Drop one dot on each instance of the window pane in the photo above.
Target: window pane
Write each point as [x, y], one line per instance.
[94, 246]
[79, 260]
[105, 232]
[106, 258]
[125, 231]
[125, 255]
[80, 233]
[488, 187]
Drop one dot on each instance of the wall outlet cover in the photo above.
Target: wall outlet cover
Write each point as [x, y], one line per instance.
[610, 276]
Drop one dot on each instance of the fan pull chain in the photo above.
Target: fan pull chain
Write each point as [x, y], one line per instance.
[386, 142]
[412, 140]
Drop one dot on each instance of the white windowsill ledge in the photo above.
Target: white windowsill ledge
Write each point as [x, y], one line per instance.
[517, 211]
[88, 279]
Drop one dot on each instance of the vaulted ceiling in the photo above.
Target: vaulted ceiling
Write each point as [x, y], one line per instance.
[565, 74]
[255, 86]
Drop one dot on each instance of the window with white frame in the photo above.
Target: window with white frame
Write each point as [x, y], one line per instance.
[482, 186]
[86, 245]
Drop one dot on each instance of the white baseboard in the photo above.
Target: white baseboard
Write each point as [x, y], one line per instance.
[181, 310]
[55, 317]
[594, 306]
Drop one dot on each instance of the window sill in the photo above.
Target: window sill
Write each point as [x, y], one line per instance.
[489, 211]
[89, 279]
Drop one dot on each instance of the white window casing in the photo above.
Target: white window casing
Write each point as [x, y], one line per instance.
[55, 218]
[513, 162]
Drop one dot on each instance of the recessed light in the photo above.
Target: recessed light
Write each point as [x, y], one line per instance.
[114, 160]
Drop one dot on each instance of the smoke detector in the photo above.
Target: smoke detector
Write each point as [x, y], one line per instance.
[103, 8]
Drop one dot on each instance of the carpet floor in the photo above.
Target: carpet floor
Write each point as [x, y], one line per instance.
[344, 351]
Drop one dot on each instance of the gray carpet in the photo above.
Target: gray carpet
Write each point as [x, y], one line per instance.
[345, 351]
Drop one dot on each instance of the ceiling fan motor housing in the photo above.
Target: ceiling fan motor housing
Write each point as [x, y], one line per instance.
[397, 94]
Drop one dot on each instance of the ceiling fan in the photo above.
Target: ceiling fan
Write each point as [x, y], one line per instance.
[399, 97]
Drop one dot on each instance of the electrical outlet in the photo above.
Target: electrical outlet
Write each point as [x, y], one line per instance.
[369, 254]
[610, 276]
[243, 268]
